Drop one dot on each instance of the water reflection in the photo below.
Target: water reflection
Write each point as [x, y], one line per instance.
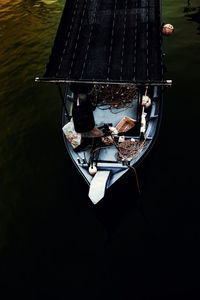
[49, 1]
[188, 8]
[192, 13]
[26, 39]
[38, 3]
[12, 8]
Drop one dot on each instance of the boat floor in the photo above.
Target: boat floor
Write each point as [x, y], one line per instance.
[104, 115]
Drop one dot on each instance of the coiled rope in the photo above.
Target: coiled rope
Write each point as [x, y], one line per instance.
[128, 150]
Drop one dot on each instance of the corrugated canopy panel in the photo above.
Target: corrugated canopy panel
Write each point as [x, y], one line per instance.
[115, 41]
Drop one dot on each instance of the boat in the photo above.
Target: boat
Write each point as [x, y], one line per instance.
[108, 55]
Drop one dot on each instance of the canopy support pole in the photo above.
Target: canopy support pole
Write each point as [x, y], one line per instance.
[137, 83]
[63, 100]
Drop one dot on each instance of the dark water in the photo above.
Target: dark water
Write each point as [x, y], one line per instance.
[52, 240]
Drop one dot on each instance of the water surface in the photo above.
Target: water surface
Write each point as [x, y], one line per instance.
[44, 209]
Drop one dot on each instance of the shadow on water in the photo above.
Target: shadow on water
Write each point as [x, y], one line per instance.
[193, 14]
[121, 206]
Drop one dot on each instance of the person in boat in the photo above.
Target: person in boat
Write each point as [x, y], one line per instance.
[82, 112]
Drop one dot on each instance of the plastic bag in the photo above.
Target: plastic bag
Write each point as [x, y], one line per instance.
[72, 136]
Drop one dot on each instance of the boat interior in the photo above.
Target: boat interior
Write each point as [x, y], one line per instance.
[125, 121]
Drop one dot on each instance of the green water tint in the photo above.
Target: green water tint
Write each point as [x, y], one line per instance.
[28, 112]
[31, 149]
[182, 47]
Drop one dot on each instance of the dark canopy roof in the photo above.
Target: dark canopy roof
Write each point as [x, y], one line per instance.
[115, 41]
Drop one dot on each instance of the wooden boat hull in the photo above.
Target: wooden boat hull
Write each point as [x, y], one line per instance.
[107, 164]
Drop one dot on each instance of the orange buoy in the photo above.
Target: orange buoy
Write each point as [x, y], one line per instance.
[167, 29]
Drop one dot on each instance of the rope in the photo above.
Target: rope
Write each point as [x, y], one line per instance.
[78, 36]
[123, 41]
[68, 36]
[137, 179]
[112, 37]
[92, 151]
[130, 150]
[146, 90]
[89, 41]
[135, 39]
[125, 159]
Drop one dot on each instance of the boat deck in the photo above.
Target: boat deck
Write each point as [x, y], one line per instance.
[103, 115]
